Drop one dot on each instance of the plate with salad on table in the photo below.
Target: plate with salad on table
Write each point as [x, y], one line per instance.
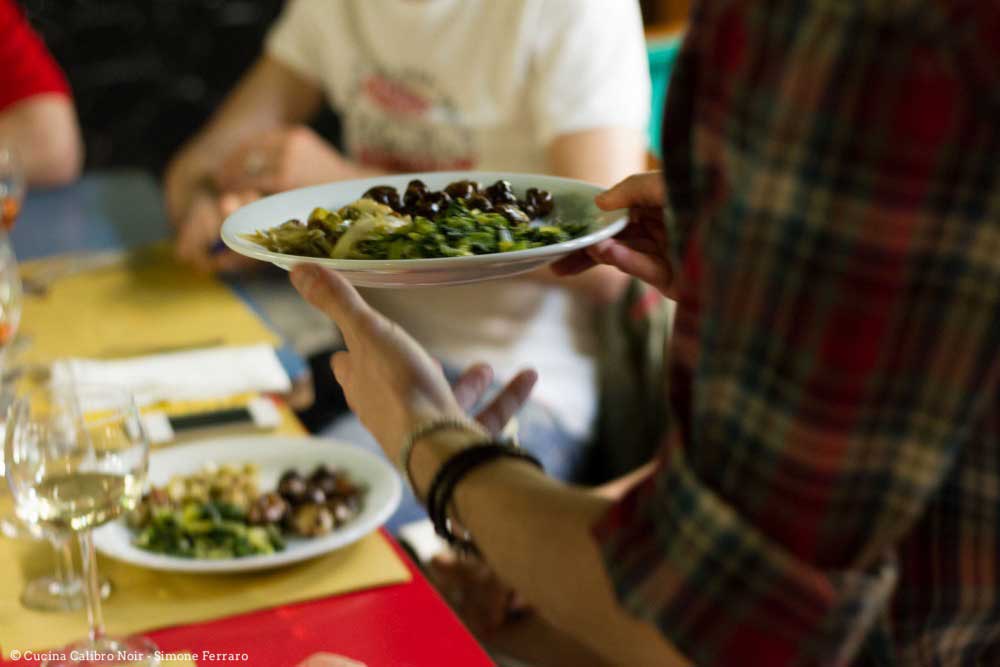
[413, 230]
[252, 503]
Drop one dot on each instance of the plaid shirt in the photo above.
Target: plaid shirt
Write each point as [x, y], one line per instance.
[829, 488]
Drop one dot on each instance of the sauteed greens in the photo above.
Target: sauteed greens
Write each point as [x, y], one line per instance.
[463, 219]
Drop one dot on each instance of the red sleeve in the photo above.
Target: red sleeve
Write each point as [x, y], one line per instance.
[26, 66]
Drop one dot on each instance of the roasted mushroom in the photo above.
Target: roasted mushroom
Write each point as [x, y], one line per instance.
[292, 487]
[346, 489]
[315, 493]
[385, 194]
[312, 520]
[345, 509]
[268, 508]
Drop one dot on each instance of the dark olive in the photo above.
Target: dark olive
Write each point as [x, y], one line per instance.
[504, 198]
[502, 185]
[478, 201]
[513, 214]
[529, 209]
[344, 511]
[384, 194]
[541, 200]
[269, 508]
[462, 189]
[501, 193]
[432, 204]
[325, 479]
[315, 493]
[292, 487]
[415, 191]
[345, 488]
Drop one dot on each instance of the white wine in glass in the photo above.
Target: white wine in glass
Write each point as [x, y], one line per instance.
[76, 458]
[64, 590]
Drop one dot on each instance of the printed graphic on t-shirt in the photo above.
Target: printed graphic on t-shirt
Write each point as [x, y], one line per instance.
[404, 122]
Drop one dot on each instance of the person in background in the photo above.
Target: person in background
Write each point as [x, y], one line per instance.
[558, 87]
[828, 491]
[37, 116]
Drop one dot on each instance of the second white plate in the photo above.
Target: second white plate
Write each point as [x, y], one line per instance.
[574, 202]
[274, 455]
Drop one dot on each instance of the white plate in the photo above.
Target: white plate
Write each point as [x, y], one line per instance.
[574, 201]
[274, 455]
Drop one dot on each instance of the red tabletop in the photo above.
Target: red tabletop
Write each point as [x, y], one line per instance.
[401, 625]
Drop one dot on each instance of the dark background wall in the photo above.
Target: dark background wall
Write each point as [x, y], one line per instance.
[147, 73]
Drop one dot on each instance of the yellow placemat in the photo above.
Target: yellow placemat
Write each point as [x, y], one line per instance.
[144, 600]
[144, 304]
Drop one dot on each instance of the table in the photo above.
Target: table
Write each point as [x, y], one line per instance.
[404, 625]
[111, 210]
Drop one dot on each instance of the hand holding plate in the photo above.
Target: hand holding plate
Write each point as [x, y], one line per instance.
[639, 250]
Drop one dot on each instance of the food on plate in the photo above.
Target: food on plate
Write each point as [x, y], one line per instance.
[463, 219]
[219, 511]
[325, 500]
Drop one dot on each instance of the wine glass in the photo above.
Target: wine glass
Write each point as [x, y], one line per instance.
[76, 459]
[12, 186]
[64, 591]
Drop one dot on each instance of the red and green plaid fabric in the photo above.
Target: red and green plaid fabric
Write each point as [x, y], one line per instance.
[829, 489]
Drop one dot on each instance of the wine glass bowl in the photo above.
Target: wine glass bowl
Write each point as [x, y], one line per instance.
[76, 457]
[71, 470]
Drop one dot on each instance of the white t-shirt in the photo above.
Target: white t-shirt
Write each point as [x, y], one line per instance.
[424, 85]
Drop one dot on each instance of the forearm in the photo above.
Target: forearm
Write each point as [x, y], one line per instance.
[549, 557]
[602, 156]
[267, 97]
[44, 132]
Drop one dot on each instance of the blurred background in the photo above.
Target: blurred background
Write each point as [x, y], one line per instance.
[166, 64]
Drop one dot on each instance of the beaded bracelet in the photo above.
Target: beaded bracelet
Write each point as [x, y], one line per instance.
[453, 471]
[428, 429]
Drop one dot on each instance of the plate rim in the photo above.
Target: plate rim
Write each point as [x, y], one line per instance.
[166, 563]
[617, 221]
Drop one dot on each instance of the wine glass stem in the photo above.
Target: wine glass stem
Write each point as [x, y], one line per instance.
[92, 586]
[64, 561]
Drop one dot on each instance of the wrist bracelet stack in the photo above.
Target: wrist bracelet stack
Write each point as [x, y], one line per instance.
[454, 470]
[428, 429]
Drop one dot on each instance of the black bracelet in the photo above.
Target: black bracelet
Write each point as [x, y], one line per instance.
[453, 471]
